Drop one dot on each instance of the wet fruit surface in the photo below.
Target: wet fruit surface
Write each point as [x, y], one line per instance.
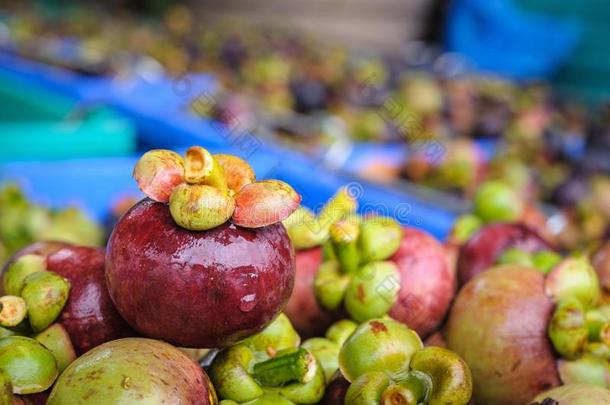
[89, 315]
[197, 289]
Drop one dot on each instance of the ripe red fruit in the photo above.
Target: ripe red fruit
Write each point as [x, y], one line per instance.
[427, 282]
[197, 289]
[89, 315]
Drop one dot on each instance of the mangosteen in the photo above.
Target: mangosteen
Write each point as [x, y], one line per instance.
[88, 315]
[133, 370]
[523, 333]
[381, 268]
[205, 261]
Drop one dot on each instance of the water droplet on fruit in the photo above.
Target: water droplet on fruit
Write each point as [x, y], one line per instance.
[247, 302]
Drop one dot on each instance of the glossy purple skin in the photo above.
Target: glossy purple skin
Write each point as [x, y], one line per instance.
[89, 316]
[485, 248]
[197, 289]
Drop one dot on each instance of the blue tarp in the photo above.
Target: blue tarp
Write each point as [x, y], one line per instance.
[496, 36]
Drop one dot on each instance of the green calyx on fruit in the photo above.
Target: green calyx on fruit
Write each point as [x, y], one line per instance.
[573, 277]
[330, 285]
[516, 256]
[12, 311]
[344, 240]
[200, 207]
[568, 328]
[341, 330]
[387, 364]
[31, 367]
[268, 365]
[307, 230]
[358, 276]
[372, 291]
[464, 228]
[495, 201]
[205, 190]
[378, 345]
[451, 377]
[56, 339]
[277, 336]
[17, 272]
[201, 168]
[380, 238]
[598, 326]
[264, 203]
[45, 294]
[327, 353]
[587, 369]
[545, 260]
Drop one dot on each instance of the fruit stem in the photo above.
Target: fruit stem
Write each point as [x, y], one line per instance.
[340, 206]
[200, 167]
[330, 285]
[294, 365]
[12, 311]
[344, 238]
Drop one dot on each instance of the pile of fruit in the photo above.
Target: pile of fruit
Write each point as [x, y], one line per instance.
[219, 288]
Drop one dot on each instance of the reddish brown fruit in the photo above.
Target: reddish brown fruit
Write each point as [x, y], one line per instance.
[487, 245]
[427, 282]
[197, 289]
[89, 315]
[498, 324]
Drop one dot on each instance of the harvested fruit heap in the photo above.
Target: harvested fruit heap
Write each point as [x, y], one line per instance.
[379, 362]
[527, 318]
[205, 262]
[365, 268]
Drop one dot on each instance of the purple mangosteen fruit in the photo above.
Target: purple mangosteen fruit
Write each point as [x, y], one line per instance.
[88, 316]
[205, 261]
